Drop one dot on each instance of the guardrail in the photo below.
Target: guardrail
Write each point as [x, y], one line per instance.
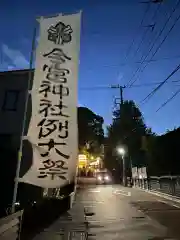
[164, 184]
[10, 226]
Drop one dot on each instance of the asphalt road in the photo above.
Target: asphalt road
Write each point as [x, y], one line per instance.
[114, 212]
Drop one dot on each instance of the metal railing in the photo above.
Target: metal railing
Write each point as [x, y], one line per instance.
[164, 184]
[10, 226]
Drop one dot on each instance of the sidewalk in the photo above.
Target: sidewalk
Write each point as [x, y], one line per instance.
[112, 212]
[71, 225]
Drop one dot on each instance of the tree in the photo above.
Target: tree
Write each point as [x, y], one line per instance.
[164, 154]
[127, 129]
[91, 133]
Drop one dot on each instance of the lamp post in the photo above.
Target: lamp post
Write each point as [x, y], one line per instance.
[122, 152]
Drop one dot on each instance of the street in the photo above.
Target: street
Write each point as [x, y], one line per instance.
[114, 212]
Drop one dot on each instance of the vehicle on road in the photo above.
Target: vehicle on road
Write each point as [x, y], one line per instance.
[103, 177]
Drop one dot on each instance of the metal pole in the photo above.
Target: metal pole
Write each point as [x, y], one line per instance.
[23, 123]
[124, 171]
[132, 180]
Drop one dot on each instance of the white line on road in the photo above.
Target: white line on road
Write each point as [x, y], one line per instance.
[91, 202]
[94, 191]
[121, 192]
[168, 203]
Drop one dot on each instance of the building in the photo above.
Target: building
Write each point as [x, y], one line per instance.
[13, 87]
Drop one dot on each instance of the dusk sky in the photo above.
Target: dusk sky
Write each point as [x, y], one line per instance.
[108, 27]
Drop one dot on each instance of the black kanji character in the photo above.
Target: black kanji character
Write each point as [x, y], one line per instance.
[51, 123]
[58, 55]
[62, 154]
[60, 106]
[48, 164]
[60, 164]
[58, 76]
[48, 105]
[53, 165]
[61, 126]
[45, 87]
[44, 174]
[56, 73]
[61, 90]
[51, 144]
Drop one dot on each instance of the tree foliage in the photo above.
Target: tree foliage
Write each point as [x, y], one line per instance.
[163, 154]
[127, 129]
[91, 133]
[160, 154]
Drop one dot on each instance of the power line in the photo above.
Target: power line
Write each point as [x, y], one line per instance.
[146, 31]
[169, 100]
[140, 44]
[159, 59]
[134, 38]
[138, 62]
[157, 49]
[160, 44]
[150, 84]
[160, 85]
[117, 86]
[143, 60]
[96, 88]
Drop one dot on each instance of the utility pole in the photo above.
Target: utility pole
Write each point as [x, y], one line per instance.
[124, 171]
[120, 96]
[121, 88]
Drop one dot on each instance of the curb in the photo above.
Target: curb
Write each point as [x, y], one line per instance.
[159, 194]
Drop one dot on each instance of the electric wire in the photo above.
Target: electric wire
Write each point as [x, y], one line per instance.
[169, 100]
[159, 46]
[151, 94]
[134, 38]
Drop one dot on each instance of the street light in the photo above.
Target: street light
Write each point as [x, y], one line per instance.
[122, 152]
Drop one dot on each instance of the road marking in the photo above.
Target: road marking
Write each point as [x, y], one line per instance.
[168, 203]
[121, 192]
[162, 195]
[94, 191]
[176, 206]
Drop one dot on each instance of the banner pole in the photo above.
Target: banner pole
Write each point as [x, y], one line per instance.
[33, 46]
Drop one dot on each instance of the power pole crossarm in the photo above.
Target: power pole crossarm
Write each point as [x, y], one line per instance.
[121, 92]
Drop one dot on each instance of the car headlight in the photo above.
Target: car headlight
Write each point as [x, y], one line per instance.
[106, 177]
[99, 178]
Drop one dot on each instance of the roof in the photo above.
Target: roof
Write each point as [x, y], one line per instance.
[20, 71]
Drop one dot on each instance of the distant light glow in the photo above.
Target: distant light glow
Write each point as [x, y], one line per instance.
[100, 178]
[121, 151]
[106, 177]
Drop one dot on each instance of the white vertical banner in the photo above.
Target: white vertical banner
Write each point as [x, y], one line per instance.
[53, 126]
[134, 172]
[144, 172]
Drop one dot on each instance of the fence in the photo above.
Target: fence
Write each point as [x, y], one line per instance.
[164, 184]
[10, 226]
